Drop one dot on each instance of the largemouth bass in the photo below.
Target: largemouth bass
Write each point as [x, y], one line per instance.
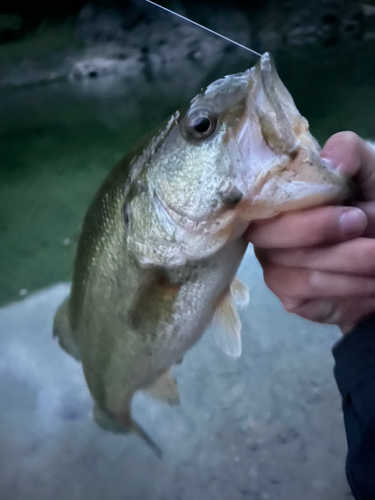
[163, 237]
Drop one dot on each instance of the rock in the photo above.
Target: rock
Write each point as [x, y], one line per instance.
[96, 25]
[139, 42]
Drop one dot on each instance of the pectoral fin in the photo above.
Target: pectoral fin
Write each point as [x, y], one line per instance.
[165, 388]
[239, 292]
[227, 327]
[154, 298]
[227, 323]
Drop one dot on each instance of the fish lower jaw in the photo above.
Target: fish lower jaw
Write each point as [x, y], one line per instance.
[313, 200]
[271, 204]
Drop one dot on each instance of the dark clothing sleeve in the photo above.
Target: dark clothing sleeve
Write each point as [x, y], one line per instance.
[355, 377]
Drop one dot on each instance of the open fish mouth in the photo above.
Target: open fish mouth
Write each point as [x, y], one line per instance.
[280, 167]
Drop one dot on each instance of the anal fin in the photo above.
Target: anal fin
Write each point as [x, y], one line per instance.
[165, 388]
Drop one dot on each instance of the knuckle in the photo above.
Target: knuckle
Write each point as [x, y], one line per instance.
[321, 226]
[317, 281]
[290, 305]
[369, 254]
[269, 277]
[281, 280]
[274, 278]
[321, 234]
[369, 286]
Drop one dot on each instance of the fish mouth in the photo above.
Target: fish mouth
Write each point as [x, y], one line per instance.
[275, 166]
[279, 164]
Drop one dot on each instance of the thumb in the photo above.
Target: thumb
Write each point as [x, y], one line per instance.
[350, 154]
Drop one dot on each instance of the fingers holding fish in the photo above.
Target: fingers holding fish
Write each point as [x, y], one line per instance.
[321, 262]
[299, 283]
[324, 297]
[344, 312]
[318, 226]
[353, 257]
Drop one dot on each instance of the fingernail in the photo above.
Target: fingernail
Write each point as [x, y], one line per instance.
[352, 222]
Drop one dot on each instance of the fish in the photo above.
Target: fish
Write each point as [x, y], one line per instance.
[162, 240]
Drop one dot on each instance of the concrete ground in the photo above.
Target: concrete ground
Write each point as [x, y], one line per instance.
[267, 426]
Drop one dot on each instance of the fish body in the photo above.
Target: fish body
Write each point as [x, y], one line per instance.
[163, 237]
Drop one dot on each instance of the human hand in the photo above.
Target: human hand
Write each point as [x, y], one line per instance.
[321, 262]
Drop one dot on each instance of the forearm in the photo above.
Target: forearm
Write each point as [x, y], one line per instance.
[355, 377]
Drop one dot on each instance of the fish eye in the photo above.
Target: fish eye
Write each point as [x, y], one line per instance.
[200, 123]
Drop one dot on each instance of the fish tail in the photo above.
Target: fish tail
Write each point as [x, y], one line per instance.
[123, 425]
[137, 429]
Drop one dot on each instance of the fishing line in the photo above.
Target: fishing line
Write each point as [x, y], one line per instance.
[203, 27]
